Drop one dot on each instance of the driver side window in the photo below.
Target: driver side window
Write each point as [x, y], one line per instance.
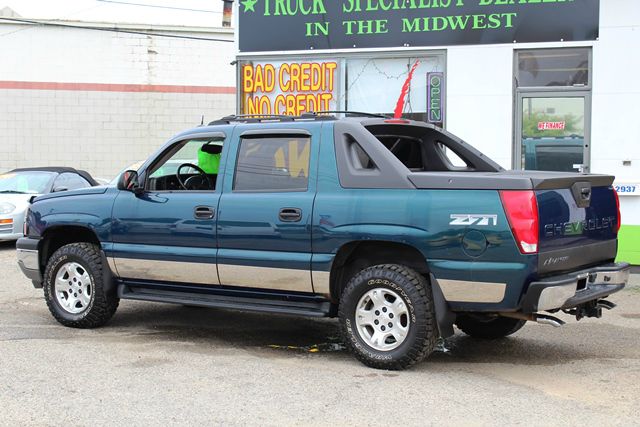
[190, 165]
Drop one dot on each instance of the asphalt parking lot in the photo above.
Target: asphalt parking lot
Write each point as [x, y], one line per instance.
[157, 363]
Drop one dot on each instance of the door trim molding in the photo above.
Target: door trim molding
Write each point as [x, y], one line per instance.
[284, 279]
[167, 271]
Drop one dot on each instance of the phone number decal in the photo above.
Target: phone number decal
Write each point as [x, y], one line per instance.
[627, 189]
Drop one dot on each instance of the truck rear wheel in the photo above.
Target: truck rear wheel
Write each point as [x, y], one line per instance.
[387, 317]
[74, 288]
[494, 328]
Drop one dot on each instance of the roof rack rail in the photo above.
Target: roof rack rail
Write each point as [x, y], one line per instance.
[258, 118]
[353, 113]
[249, 118]
[312, 115]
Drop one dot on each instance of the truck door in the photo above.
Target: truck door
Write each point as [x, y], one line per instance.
[264, 215]
[167, 233]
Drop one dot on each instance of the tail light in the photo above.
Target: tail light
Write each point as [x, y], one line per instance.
[521, 208]
[618, 219]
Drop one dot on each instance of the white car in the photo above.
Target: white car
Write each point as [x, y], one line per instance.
[18, 186]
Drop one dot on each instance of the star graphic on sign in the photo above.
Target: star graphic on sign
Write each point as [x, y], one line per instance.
[249, 5]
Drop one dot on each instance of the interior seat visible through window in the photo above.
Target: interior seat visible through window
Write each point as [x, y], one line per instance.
[191, 165]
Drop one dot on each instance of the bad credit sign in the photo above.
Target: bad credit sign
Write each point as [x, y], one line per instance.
[289, 88]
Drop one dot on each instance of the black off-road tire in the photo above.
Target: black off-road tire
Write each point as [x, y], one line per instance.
[103, 302]
[415, 291]
[491, 329]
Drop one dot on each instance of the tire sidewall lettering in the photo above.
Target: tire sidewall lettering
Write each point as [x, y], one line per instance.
[354, 336]
[355, 341]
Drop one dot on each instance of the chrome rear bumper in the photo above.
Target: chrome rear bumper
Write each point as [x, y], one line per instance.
[572, 289]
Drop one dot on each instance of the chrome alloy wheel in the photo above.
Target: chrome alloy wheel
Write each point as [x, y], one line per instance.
[382, 319]
[73, 288]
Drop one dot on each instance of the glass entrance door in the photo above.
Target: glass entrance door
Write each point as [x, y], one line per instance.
[552, 132]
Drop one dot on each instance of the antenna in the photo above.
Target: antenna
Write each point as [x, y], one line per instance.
[202, 121]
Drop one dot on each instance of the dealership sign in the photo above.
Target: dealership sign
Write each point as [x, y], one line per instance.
[277, 25]
[289, 88]
[435, 98]
[551, 125]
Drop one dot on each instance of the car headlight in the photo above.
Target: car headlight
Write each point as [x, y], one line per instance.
[6, 208]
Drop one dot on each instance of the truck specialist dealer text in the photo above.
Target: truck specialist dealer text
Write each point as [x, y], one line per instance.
[380, 26]
[322, 24]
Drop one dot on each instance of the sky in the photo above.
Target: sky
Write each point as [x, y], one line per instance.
[205, 13]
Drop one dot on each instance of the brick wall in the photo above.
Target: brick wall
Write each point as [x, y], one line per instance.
[101, 100]
[101, 132]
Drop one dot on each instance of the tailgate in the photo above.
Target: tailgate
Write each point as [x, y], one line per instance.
[578, 222]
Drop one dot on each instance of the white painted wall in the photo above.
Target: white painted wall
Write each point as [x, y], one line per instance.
[616, 98]
[480, 97]
[34, 53]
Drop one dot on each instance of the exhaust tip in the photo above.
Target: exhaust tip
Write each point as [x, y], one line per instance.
[544, 319]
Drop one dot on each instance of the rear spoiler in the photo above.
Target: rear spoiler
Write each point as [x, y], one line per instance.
[505, 180]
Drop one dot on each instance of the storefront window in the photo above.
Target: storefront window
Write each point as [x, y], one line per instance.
[374, 85]
[553, 67]
[553, 133]
[553, 101]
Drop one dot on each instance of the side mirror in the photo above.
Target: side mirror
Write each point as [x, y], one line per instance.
[128, 181]
[59, 189]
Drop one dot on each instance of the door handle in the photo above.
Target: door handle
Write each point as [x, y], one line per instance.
[203, 212]
[290, 214]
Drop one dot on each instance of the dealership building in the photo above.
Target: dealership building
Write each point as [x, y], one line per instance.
[538, 85]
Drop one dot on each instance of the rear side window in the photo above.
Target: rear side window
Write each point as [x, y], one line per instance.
[451, 157]
[273, 164]
[359, 158]
[426, 149]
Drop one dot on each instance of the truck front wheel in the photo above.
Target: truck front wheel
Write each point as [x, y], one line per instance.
[74, 288]
[488, 328]
[387, 317]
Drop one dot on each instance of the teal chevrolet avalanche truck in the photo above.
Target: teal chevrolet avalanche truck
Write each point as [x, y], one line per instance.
[396, 227]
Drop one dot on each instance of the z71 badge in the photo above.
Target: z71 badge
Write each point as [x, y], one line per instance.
[473, 219]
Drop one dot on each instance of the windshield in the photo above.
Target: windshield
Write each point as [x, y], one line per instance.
[27, 182]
